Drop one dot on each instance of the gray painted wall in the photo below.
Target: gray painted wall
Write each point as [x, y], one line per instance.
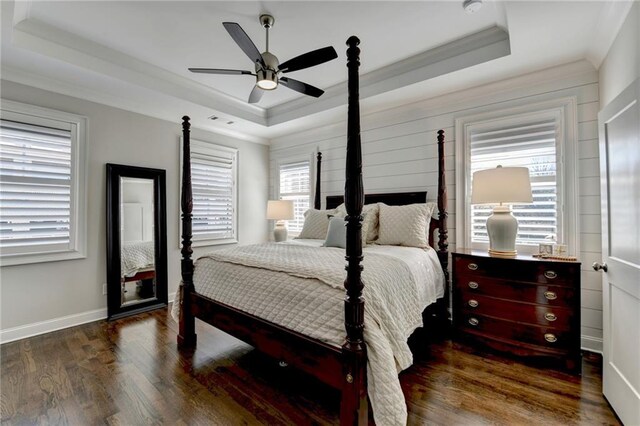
[49, 291]
[621, 66]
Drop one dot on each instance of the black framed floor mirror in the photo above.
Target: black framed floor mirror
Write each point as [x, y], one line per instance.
[136, 240]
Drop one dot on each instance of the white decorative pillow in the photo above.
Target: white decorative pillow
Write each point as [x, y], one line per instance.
[316, 223]
[404, 225]
[337, 233]
[369, 221]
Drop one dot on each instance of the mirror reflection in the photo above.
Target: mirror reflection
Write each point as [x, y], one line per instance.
[137, 251]
[136, 240]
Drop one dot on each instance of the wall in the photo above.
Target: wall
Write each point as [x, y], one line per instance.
[39, 297]
[621, 66]
[399, 154]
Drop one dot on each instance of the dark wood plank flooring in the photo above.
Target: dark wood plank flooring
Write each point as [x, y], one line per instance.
[129, 372]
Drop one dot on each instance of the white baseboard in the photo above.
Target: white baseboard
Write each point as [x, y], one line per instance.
[591, 344]
[42, 327]
[55, 324]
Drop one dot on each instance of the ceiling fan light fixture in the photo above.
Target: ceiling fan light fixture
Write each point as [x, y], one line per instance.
[267, 79]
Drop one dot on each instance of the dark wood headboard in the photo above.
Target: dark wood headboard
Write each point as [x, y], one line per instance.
[390, 199]
[394, 199]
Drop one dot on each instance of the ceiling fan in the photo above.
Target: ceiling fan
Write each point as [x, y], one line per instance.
[268, 71]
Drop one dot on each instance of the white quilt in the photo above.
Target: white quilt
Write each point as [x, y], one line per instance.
[300, 286]
[136, 256]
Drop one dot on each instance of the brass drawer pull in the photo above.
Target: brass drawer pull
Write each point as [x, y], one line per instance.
[550, 295]
[472, 266]
[550, 274]
[551, 338]
[473, 321]
[473, 303]
[473, 285]
[550, 316]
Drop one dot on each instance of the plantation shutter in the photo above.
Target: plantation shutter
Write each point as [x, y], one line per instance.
[213, 177]
[35, 187]
[295, 185]
[531, 145]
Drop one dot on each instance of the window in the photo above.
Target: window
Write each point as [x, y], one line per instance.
[213, 179]
[295, 184]
[541, 139]
[531, 145]
[41, 185]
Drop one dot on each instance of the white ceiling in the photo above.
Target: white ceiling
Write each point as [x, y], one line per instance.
[135, 55]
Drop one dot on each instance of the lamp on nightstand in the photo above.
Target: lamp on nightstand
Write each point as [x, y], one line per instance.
[280, 210]
[509, 185]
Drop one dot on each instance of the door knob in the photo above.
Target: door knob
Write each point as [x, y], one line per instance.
[599, 266]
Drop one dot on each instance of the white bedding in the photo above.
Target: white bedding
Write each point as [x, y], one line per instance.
[299, 285]
[136, 257]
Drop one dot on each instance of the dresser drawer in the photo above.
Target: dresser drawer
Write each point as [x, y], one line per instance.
[553, 273]
[475, 304]
[543, 294]
[548, 337]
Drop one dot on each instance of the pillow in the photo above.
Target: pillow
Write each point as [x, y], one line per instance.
[316, 223]
[369, 221]
[337, 233]
[405, 225]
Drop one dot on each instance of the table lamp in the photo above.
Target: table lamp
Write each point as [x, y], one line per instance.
[509, 185]
[280, 210]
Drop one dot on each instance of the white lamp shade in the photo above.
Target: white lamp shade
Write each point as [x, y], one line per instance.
[501, 185]
[280, 210]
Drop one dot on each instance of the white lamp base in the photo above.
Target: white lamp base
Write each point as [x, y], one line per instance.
[502, 228]
[280, 232]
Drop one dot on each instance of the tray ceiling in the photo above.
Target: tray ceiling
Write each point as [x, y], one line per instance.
[137, 53]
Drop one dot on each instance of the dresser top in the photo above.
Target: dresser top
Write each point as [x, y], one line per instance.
[527, 257]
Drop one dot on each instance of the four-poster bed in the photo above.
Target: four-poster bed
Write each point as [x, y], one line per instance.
[343, 367]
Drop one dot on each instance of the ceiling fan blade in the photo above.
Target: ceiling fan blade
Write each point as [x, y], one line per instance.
[220, 71]
[301, 87]
[256, 95]
[242, 39]
[309, 59]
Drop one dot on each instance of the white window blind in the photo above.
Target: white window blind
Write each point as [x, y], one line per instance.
[532, 145]
[35, 188]
[295, 185]
[213, 178]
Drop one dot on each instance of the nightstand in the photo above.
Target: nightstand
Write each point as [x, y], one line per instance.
[525, 306]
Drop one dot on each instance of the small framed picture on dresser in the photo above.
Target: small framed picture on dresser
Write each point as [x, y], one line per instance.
[545, 249]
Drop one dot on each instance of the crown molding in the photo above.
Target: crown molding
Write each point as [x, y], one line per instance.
[503, 90]
[37, 36]
[465, 52]
[76, 91]
[42, 38]
[612, 16]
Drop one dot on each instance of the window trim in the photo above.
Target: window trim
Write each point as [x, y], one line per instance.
[312, 177]
[36, 115]
[212, 241]
[565, 111]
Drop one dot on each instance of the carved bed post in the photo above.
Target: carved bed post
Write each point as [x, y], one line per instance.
[317, 203]
[443, 244]
[353, 409]
[186, 334]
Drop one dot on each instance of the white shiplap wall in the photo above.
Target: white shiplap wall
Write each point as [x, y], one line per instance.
[399, 154]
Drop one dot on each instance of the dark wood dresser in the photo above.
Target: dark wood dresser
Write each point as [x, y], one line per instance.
[522, 305]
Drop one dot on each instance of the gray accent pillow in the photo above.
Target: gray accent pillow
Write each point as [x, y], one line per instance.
[337, 233]
[369, 221]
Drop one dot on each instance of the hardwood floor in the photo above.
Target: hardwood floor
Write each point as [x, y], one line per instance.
[130, 372]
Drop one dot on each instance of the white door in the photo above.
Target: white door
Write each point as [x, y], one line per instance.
[620, 190]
